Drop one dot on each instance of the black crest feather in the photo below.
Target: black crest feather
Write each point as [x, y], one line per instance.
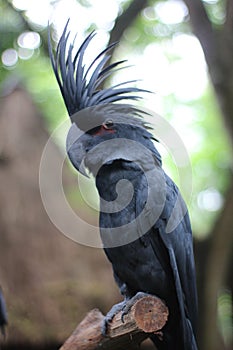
[78, 90]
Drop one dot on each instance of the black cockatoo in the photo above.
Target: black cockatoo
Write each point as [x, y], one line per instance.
[144, 224]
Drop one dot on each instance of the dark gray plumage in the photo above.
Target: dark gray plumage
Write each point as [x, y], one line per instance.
[78, 92]
[154, 253]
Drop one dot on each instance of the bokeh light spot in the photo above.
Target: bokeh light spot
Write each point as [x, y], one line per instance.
[9, 57]
[29, 40]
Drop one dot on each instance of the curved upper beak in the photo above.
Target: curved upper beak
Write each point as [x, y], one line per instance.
[75, 148]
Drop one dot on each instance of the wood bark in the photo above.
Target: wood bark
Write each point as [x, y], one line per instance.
[148, 315]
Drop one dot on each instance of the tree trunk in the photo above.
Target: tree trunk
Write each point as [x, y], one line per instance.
[43, 274]
[217, 46]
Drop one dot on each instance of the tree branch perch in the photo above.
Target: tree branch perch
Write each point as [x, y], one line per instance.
[148, 315]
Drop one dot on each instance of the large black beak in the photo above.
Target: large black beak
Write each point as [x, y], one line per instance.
[76, 149]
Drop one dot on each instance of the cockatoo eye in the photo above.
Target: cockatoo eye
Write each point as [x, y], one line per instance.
[108, 124]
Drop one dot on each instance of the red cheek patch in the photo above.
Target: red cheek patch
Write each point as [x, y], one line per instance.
[103, 131]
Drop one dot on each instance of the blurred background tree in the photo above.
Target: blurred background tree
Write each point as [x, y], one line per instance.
[183, 51]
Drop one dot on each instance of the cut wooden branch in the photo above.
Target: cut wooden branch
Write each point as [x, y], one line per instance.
[147, 316]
